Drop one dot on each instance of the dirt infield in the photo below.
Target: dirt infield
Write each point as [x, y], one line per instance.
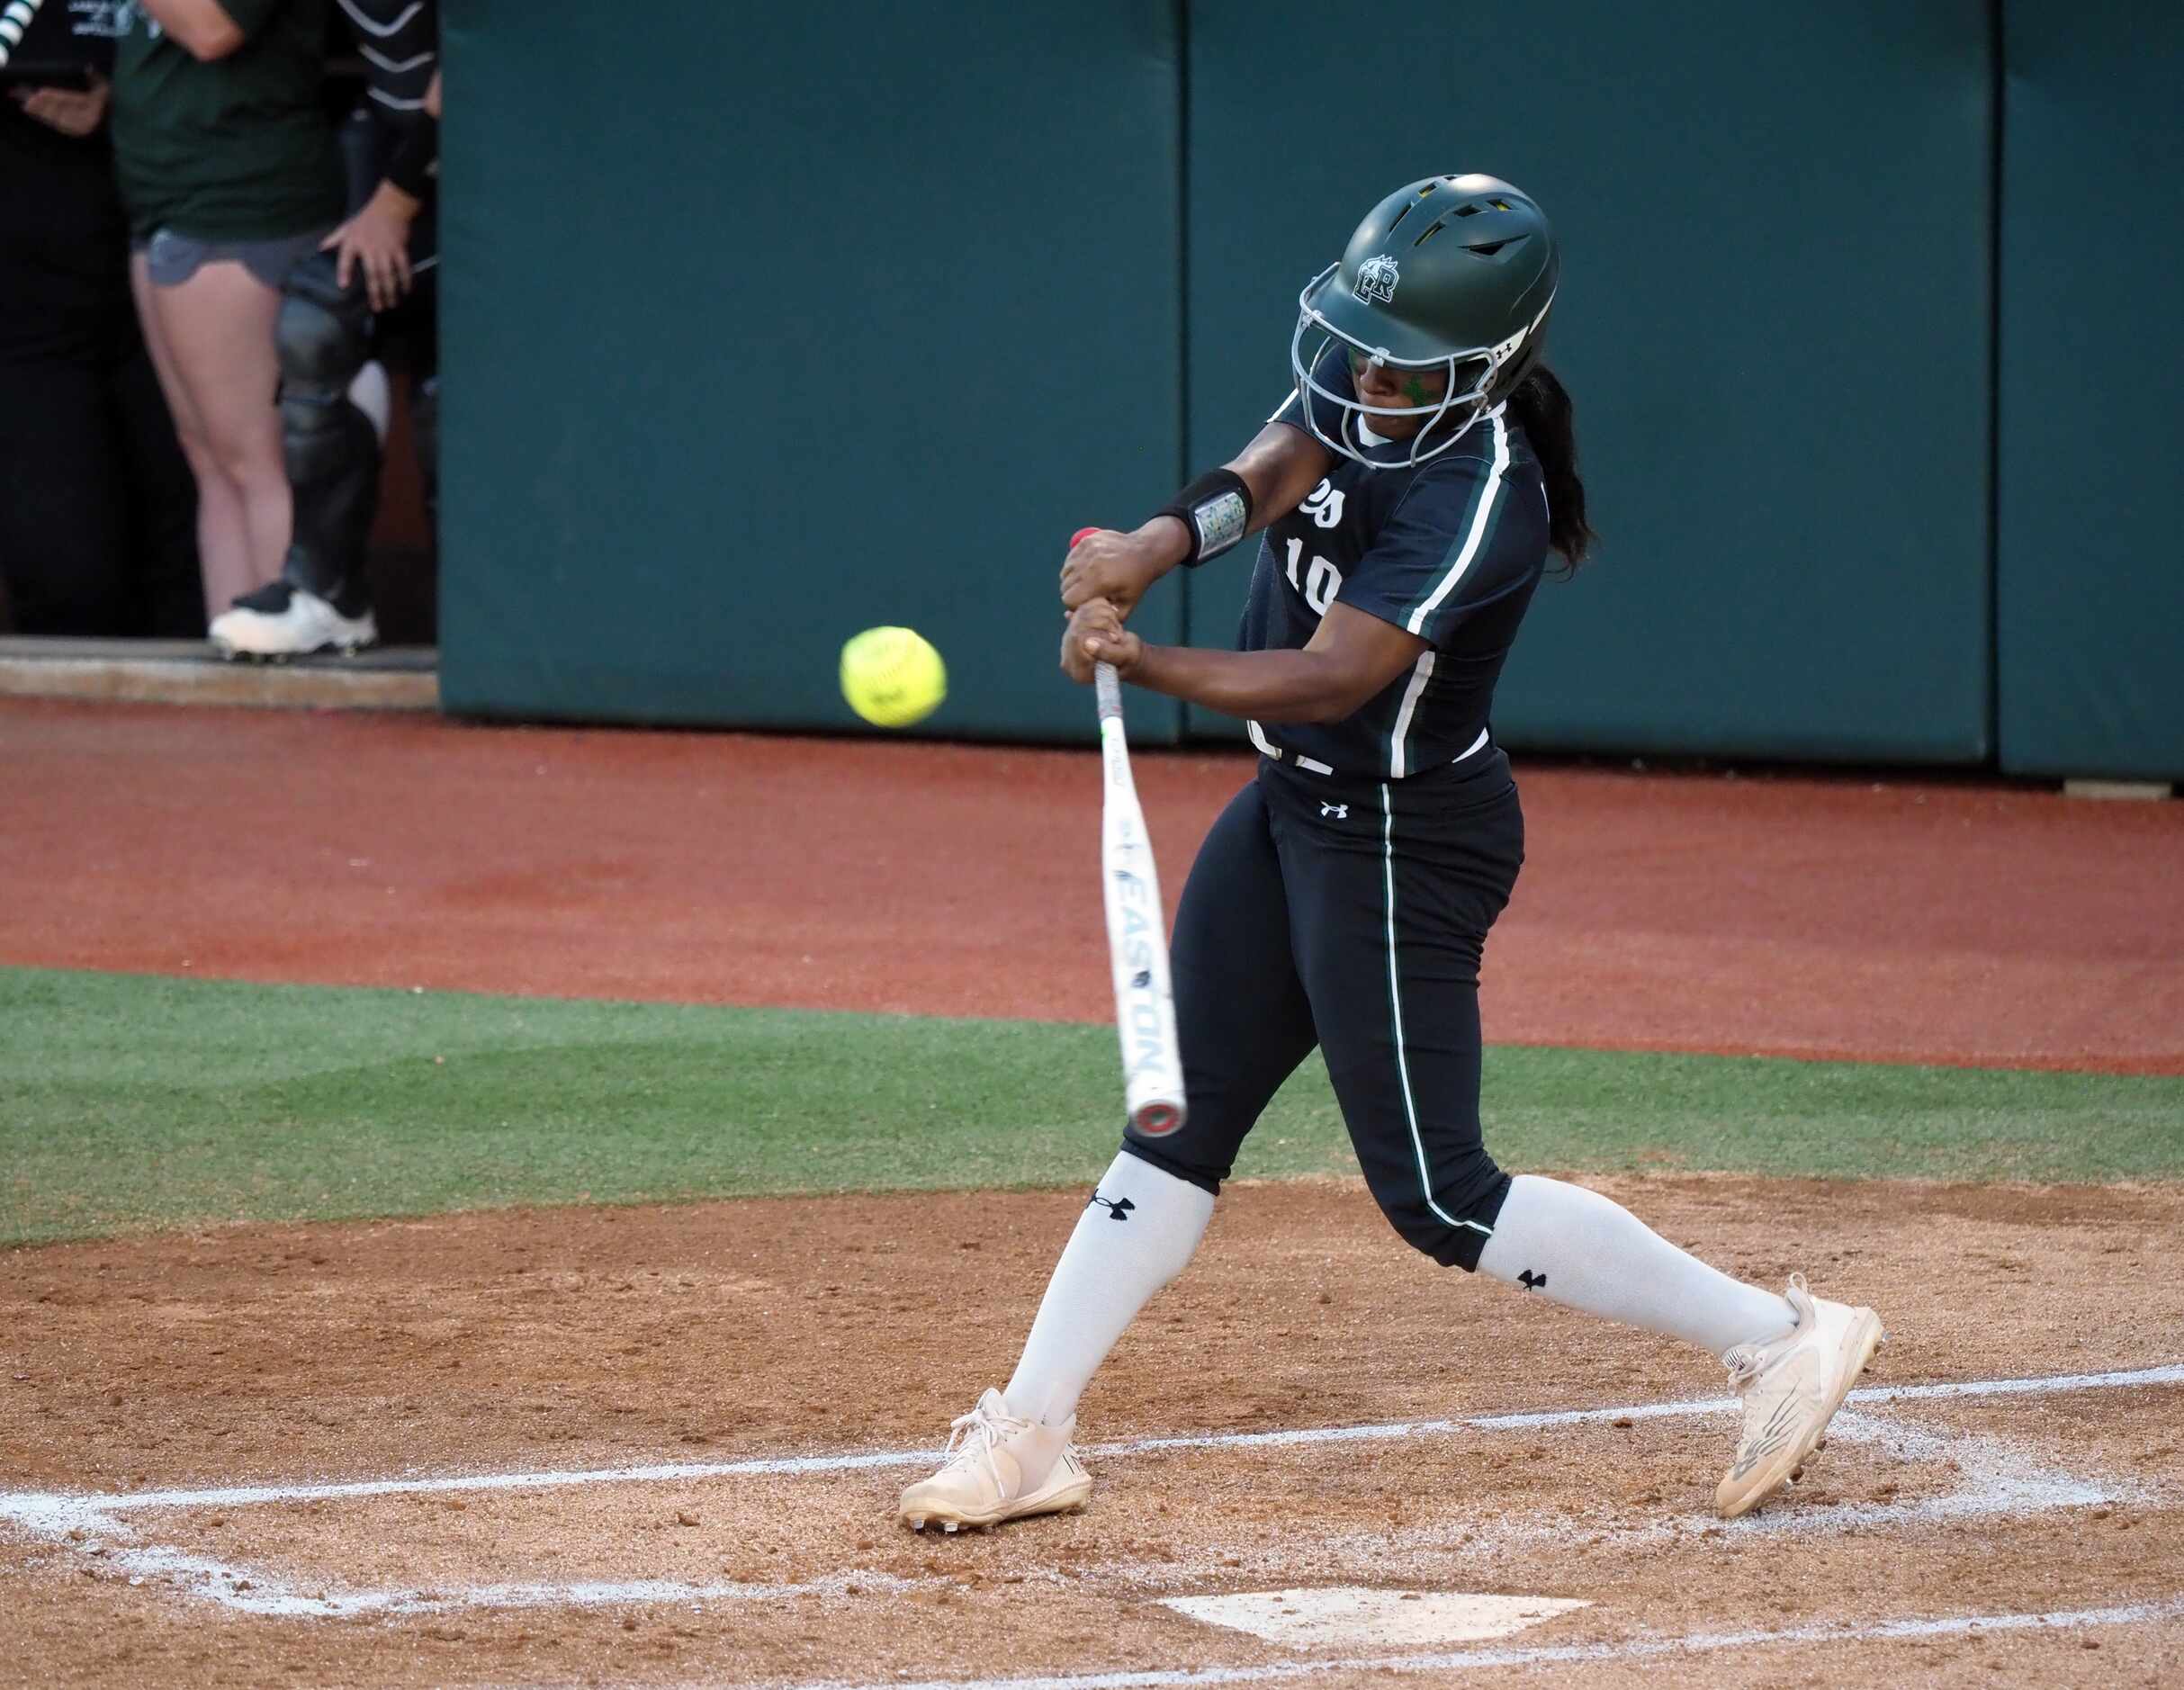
[1946, 922]
[156, 1376]
[659, 1445]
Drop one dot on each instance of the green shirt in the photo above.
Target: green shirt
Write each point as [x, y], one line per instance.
[236, 149]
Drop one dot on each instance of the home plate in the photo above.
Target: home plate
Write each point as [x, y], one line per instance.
[1349, 1615]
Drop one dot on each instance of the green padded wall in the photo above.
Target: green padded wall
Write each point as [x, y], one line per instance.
[2090, 583]
[1775, 319]
[766, 324]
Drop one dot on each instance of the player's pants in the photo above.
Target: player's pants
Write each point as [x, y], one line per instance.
[1349, 914]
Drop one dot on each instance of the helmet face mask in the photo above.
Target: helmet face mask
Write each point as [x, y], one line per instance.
[1454, 275]
[1467, 375]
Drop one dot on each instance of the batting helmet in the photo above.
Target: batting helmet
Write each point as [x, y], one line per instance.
[1454, 273]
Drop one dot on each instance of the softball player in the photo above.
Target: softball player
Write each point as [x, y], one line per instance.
[1408, 493]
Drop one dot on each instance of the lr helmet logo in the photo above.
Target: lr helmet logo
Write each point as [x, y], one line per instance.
[1376, 280]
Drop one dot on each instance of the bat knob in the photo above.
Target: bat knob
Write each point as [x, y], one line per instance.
[1077, 538]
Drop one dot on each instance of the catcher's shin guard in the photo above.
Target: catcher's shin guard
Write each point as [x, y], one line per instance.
[332, 448]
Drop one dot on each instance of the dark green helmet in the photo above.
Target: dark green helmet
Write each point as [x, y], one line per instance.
[1452, 272]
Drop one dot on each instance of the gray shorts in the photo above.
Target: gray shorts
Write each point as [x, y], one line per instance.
[174, 258]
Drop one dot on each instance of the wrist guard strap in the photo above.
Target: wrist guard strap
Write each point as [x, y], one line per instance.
[1217, 509]
[411, 167]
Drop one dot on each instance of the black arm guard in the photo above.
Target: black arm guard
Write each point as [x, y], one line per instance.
[1217, 509]
[410, 168]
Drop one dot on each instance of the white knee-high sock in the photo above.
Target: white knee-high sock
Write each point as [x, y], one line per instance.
[1133, 1236]
[1584, 1250]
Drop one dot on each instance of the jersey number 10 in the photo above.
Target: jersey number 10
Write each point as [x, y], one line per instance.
[1320, 582]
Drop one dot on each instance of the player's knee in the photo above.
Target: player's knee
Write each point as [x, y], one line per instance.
[324, 339]
[242, 460]
[1452, 1222]
[1176, 1159]
[323, 336]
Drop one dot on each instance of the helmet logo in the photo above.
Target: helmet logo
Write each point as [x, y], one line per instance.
[1376, 280]
[1501, 354]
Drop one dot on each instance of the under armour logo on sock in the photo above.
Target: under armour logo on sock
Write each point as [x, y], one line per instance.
[1115, 1211]
[1340, 812]
[1531, 1282]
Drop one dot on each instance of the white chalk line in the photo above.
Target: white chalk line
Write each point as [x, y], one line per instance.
[1997, 1479]
[1549, 1654]
[246, 1590]
[249, 1590]
[24, 1505]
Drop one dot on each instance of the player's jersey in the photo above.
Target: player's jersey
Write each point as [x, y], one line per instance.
[1450, 550]
[399, 41]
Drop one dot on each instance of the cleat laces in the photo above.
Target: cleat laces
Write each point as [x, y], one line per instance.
[972, 1438]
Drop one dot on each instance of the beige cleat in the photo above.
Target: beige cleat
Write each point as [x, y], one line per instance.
[998, 1468]
[1792, 1387]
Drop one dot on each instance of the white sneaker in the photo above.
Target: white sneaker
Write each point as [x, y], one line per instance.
[999, 1467]
[282, 620]
[1792, 1387]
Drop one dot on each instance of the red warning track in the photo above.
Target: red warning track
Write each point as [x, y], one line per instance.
[1812, 917]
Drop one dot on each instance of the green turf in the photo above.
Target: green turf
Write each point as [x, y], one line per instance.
[128, 1102]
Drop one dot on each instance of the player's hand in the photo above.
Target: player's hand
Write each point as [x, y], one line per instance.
[1120, 567]
[1096, 635]
[376, 241]
[71, 110]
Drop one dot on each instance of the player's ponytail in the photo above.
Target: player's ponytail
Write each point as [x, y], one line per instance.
[1541, 407]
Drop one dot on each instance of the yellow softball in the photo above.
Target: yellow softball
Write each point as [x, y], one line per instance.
[893, 676]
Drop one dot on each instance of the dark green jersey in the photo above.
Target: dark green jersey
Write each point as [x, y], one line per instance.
[236, 148]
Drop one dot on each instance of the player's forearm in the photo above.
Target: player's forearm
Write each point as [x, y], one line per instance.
[1167, 540]
[1284, 686]
[1277, 469]
[204, 30]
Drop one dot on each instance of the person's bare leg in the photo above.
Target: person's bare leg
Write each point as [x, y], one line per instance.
[218, 330]
[223, 543]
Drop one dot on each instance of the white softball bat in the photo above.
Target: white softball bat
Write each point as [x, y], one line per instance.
[1136, 935]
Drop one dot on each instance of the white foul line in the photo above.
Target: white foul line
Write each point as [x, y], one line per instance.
[1996, 1480]
[27, 1506]
[1548, 1655]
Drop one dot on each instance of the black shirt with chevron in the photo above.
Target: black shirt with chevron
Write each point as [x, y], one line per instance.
[399, 41]
[1450, 550]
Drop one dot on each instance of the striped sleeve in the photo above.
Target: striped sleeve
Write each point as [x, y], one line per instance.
[1437, 555]
[399, 41]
